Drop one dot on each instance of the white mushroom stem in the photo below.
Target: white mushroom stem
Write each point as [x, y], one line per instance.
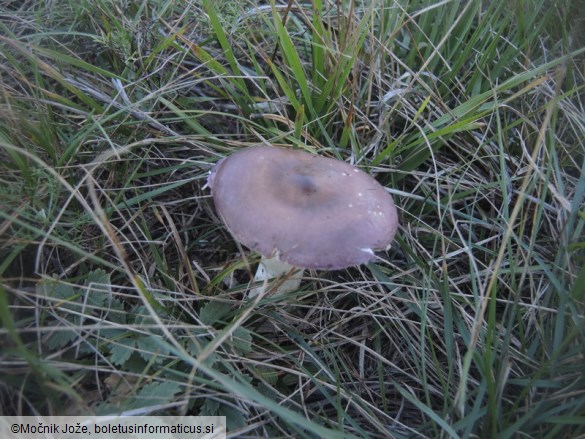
[270, 268]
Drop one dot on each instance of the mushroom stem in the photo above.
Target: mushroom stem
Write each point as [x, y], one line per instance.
[270, 268]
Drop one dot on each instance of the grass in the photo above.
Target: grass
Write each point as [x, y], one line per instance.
[121, 290]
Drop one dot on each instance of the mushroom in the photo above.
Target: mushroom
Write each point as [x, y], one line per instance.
[300, 210]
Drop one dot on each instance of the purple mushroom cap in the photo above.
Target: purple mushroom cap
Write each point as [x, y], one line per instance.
[310, 211]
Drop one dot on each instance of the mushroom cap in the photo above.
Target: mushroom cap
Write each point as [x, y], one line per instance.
[310, 211]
